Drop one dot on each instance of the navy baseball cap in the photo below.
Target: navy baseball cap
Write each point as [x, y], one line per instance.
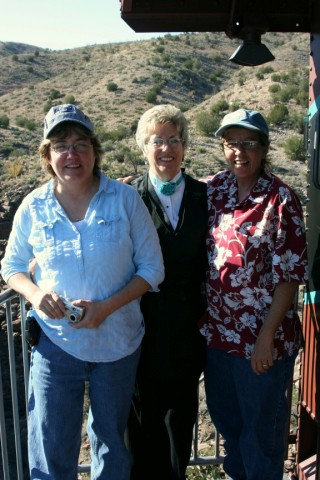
[65, 113]
[249, 119]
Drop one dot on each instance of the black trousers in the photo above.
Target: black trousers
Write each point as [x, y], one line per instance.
[160, 427]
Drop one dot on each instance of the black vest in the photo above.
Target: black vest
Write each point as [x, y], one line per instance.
[172, 344]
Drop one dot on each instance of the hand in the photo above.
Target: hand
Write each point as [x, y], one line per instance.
[94, 314]
[128, 179]
[49, 303]
[262, 355]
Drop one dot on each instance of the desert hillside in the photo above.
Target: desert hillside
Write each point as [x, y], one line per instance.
[116, 83]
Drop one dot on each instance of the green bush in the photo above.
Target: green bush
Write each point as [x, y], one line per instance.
[278, 114]
[123, 154]
[220, 106]
[266, 69]
[115, 135]
[275, 77]
[4, 121]
[151, 96]
[234, 106]
[216, 75]
[69, 99]
[6, 148]
[159, 49]
[157, 77]
[216, 57]
[183, 107]
[206, 123]
[287, 93]
[133, 126]
[297, 121]
[274, 88]
[165, 58]
[303, 94]
[133, 159]
[188, 64]
[47, 106]
[112, 87]
[294, 148]
[26, 123]
[54, 93]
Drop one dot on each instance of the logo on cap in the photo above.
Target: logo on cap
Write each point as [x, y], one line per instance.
[65, 113]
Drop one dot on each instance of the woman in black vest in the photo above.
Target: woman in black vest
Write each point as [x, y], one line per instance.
[165, 403]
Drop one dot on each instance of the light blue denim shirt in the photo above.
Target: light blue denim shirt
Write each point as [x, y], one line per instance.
[117, 240]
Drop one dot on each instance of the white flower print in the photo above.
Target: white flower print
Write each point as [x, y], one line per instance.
[245, 228]
[284, 194]
[262, 233]
[248, 320]
[258, 199]
[206, 332]
[248, 349]
[233, 300]
[230, 335]
[256, 297]
[298, 221]
[222, 256]
[242, 276]
[226, 222]
[287, 261]
[290, 347]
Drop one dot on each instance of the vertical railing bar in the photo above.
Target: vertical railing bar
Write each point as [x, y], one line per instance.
[13, 379]
[25, 353]
[3, 434]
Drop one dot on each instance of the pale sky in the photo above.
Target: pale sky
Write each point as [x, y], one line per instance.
[62, 24]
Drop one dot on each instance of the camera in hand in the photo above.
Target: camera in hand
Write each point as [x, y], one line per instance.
[72, 313]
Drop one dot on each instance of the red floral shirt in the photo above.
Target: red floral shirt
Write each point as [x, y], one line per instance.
[252, 246]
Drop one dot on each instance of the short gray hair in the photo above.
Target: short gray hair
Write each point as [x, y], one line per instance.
[161, 114]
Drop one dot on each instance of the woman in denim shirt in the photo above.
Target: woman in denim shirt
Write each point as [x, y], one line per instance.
[94, 244]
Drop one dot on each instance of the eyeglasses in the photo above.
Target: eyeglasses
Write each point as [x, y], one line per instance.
[62, 148]
[245, 144]
[158, 142]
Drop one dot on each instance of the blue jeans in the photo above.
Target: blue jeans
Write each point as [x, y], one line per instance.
[250, 411]
[56, 395]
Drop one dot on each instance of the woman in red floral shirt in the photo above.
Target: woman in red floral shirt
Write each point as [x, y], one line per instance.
[257, 258]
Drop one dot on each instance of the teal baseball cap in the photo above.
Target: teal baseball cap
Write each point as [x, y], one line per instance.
[65, 113]
[249, 119]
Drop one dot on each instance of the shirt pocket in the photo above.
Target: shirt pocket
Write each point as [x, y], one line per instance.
[42, 239]
[108, 230]
[42, 236]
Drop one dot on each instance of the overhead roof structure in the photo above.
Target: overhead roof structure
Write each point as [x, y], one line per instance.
[234, 17]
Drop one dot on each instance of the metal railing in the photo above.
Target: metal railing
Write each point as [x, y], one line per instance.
[15, 466]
